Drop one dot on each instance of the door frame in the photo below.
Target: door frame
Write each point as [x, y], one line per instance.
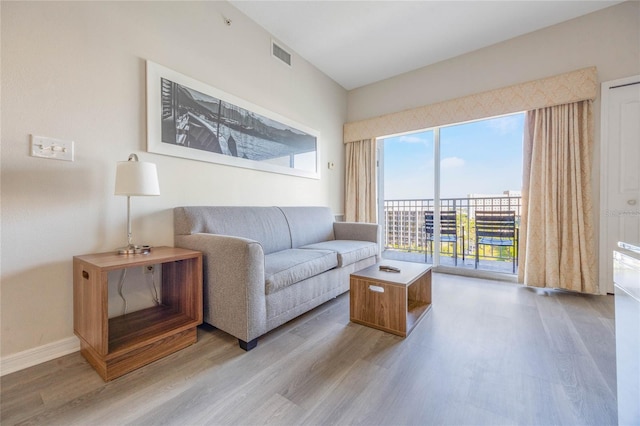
[605, 253]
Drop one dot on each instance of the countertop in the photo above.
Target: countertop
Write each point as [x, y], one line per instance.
[626, 268]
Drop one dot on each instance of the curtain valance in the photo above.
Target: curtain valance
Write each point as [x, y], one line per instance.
[561, 89]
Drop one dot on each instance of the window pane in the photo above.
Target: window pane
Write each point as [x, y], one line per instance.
[408, 166]
[482, 158]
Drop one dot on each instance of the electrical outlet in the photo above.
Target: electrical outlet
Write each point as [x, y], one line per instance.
[148, 269]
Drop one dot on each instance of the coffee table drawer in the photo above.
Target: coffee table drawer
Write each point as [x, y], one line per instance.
[379, 305]
[389, 301]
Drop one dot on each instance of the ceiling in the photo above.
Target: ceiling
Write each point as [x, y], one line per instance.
[361, 42]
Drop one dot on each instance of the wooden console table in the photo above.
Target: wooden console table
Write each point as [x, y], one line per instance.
[391, 301]
[116, 346]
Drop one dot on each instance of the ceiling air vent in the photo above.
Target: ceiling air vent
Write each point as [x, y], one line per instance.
[278, 52]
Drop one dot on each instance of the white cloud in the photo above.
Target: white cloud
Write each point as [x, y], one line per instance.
[451, 162]
[505, 125]
[415, 138]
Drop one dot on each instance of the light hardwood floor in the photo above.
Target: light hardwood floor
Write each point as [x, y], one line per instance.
[486, 353]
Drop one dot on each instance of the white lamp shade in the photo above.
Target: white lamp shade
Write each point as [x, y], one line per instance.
[136, 178]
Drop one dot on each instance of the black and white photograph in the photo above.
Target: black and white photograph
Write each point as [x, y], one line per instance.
[203, 123]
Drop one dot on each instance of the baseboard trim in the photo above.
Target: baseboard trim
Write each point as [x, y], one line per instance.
[16, 362]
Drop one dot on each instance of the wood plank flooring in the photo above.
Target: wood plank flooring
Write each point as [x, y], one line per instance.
[487, 353]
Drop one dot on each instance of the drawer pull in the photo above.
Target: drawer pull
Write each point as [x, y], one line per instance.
[376, 288]
[85, 275]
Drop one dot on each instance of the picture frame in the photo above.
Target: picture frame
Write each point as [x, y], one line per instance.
[189, 119]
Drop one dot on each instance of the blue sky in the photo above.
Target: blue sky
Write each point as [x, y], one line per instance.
[482, 157]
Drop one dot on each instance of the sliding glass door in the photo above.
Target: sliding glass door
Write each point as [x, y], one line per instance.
[441, 187]
[406, 191]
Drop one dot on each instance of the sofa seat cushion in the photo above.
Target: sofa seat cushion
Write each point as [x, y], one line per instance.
[286, 267]
[348, 251]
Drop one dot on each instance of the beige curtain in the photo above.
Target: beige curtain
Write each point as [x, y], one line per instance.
[360, 181]
[557, 245]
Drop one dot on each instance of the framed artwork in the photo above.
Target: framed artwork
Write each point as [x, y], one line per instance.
[189, 119]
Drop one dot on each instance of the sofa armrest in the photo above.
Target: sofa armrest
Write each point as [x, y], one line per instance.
[357, 231]
[234, 292]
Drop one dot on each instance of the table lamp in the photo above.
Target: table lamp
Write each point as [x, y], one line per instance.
[134, 178]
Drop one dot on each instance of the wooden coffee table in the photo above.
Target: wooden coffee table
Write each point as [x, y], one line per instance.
[391, 301]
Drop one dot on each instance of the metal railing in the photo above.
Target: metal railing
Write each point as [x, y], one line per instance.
[404, 222]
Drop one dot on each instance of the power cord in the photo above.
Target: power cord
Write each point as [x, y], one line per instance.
[154, 290]
[120, 285]
[154, 294]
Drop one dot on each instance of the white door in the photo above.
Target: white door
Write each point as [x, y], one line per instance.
[620, 171]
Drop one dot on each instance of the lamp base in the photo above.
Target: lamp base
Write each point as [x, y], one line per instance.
[133, 249]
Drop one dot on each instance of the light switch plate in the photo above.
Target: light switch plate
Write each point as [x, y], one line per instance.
[55, 149]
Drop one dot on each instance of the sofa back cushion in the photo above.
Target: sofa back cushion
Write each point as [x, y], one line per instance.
[309, 225]
[266, 225]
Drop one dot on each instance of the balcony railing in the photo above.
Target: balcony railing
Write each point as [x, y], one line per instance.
[406, 236]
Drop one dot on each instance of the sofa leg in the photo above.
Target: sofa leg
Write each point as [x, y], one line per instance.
[247, 346]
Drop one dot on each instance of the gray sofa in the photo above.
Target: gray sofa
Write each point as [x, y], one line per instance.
[264, 266]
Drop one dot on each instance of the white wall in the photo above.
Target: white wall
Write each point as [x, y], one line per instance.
[608, 39]
[76, 71]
